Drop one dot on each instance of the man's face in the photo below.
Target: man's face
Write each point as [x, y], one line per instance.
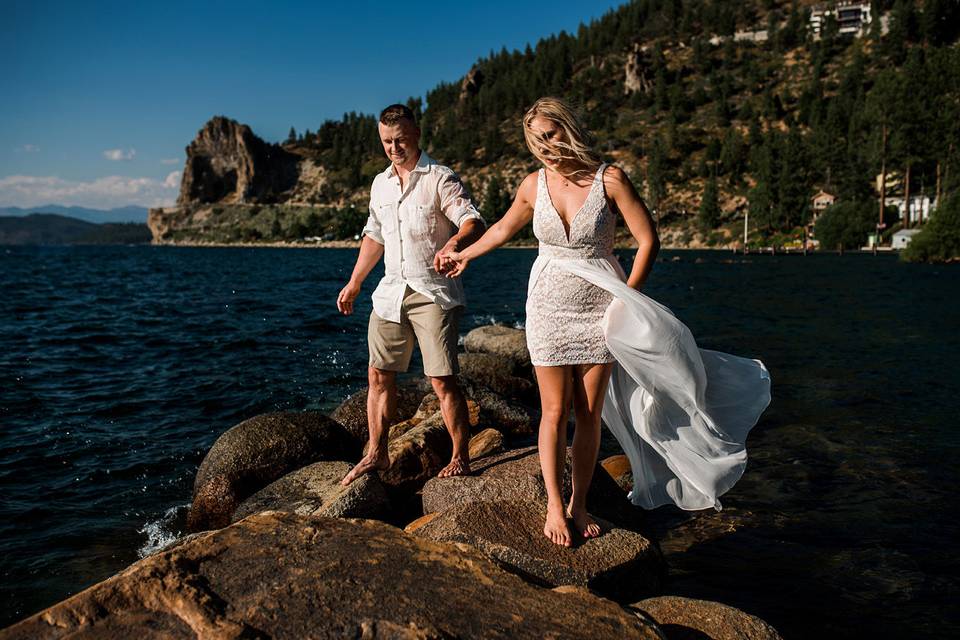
[400, 142]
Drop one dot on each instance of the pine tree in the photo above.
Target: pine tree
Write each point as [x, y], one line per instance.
[709, 214]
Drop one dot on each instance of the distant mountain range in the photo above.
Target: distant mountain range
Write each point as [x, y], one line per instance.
[97, 216]
[53, 229]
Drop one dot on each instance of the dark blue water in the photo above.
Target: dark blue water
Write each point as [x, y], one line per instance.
[120, 366]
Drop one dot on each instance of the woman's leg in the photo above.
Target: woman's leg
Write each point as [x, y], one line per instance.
[589, 388]
[556, 385]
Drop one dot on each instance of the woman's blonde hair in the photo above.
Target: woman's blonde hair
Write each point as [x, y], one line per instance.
[571, 157]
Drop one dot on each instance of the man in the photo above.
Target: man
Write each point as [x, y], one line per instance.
[418, 210]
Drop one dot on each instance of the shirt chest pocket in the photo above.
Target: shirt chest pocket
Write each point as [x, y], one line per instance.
[387, 216]
[419, 222]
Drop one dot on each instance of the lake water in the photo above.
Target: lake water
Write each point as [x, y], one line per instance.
[119, 367]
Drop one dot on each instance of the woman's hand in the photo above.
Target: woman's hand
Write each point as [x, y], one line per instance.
[457, 263]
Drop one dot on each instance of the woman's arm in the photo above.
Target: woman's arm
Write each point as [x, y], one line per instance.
[517, 216]
[637, 217]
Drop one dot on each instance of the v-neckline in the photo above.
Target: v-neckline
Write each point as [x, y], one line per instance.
[567, 230]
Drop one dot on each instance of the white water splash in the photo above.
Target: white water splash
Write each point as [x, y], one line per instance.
[160, 532]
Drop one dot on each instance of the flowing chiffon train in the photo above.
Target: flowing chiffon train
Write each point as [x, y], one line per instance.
[681, 413]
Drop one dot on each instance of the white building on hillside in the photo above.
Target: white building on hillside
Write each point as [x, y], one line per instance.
[920, 207]
[853, 18]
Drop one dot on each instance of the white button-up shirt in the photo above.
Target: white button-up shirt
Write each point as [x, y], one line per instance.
[412, 225]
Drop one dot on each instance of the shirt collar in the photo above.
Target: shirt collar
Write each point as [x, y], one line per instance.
[423, 165]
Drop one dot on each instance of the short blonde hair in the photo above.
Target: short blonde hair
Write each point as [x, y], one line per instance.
[577, 151]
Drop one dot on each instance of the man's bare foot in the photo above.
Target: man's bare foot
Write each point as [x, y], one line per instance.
[583, 523]
[457, 467]
[370, 462]
[557, 529]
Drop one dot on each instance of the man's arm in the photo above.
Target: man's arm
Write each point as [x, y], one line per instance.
[457, 206]
[370, 253]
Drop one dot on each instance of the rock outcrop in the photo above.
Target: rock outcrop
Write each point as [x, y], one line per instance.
[619, 564]
[689, 619]
[635, 78]
[227, 163]
[278, 575]
[256, 452]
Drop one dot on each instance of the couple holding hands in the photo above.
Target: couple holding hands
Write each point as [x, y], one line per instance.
[680, 413]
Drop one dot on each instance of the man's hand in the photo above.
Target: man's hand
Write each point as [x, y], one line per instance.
[347, 295]
[441, 262]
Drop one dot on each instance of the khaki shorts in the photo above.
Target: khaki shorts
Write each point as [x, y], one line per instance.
[436, 329]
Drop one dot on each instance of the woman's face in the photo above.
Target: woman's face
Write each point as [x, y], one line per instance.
[547, 131]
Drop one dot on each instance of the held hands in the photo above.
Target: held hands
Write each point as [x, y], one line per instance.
[347, 295]
[454, 263]
[448, 262]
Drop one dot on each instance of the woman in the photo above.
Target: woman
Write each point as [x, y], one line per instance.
[684, 438]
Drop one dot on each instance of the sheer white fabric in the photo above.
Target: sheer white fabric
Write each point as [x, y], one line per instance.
[680, 413]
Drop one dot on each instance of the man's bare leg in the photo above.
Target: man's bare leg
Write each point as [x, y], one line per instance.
[453, 407]
[381, 408]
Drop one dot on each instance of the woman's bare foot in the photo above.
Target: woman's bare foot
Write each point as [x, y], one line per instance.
[583, 523]
[557, 529]
[457, 467]
[374, 461]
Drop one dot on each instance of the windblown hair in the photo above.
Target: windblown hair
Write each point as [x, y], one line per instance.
[393, 114]
[574, 156]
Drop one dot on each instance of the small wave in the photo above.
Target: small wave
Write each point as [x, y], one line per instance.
[161, 532]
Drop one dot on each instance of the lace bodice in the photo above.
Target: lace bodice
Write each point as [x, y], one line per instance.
[591, 230]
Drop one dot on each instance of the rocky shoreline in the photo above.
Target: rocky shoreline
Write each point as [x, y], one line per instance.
[279, 549]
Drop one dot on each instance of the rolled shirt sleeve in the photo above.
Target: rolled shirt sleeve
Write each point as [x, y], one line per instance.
[372, 227]
[455, 202]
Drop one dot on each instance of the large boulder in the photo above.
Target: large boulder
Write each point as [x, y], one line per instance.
[618, 468]
[316, 490]
[500, 341]
[256, 452]
[501, 414]
[352, 412]
[618, 564]
[515, 476]
[689, 619]
[496, 373]
[280, 575]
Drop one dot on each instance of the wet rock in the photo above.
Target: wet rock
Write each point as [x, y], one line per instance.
[485, 443]
[280, 575]
[515, 476]
[689, 619]
[352, 412]
[316, 490]
[496, 373]
[500, 341]
[619, 564]
[256, 452]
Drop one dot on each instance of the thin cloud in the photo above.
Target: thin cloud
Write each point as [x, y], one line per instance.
[107, 192]
[172, 180]
[30, 148]
[119, 154]
[170, 161]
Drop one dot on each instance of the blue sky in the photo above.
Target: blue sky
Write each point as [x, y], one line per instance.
[99, 99]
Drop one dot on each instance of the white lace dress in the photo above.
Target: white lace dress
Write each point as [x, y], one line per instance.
[564, 311]
[681, 413]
